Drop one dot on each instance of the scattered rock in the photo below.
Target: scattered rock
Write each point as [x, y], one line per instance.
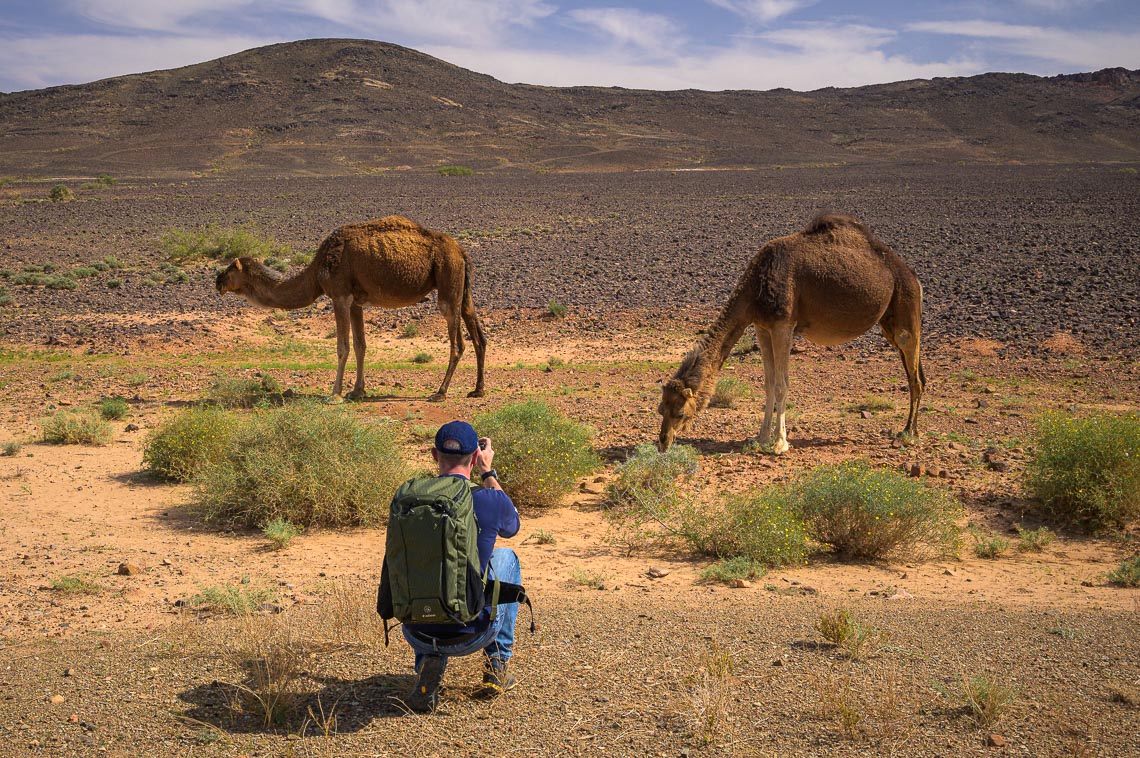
[778, 662]
[269, 608]
[865, 414]
[948, 572]
[73, 718]
[69, 672]
[741, 583]
[917, 469]
[131, 428]
[57, 699]
[656, 573]
[997, 464]
[899, 594]
[129, 569]
[995, 740]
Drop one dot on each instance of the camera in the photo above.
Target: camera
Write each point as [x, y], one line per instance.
[482, 444]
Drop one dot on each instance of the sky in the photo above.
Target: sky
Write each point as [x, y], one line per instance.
[666, 45]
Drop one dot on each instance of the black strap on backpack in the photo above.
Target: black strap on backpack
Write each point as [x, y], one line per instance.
[507, 593]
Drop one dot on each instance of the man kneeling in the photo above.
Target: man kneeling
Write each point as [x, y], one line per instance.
[457, 620]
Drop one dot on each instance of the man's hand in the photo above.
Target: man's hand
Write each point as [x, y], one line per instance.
[486, 455]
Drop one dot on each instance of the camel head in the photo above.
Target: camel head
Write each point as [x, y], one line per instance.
[678, 407]
[233, 278]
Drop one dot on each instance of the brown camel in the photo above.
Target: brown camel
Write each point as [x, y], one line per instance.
[831, 283]
[391, 262]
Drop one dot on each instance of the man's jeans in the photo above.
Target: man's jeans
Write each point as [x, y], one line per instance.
[498, 640]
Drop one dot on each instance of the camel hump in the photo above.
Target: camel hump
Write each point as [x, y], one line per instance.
[830, 223]
[393, 224]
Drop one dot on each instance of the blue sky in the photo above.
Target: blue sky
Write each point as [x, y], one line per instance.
[673, 44]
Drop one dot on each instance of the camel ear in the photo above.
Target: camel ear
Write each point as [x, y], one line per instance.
[237, 264]
[687, 392]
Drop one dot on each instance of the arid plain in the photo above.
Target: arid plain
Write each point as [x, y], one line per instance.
[1032, 297]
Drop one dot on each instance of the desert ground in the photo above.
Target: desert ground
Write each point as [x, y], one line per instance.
[1031, 277]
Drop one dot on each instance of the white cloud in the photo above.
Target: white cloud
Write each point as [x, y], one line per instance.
[1059, 6]
[469, 21]
[152, 15]
[1080, 48]
[850, 39]
[762, 10]
[32, 63]
[628, 26]
[745, 66]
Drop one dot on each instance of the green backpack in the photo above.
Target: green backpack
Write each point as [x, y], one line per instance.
[431, 564]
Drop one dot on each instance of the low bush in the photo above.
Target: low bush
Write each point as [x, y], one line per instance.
[422, 358]
[1086, 471]
[990, 547]
[114, 408]
[1034, 540]
[307, 463]
[11, 448]
[411, 329]
[1128, 573]
[650, 471]
[61, 193]
[77, 428]
[231, 599]
[80, 584]
[759, 526]
[182, 446]
[866, 512]
[454, 171]
[843, 630]
[539, 452]
[280, 532]
[556, 309]
[984, 696]
[729, 391]
[5, 298]
[732, 570]
[213, 242]
[228, 392]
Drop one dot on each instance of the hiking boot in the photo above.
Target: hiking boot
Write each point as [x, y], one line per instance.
[497, 679]
[424, 696]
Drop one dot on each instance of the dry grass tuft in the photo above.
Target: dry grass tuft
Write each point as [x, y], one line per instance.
[710, 693]
[843, 630]
[984, 696]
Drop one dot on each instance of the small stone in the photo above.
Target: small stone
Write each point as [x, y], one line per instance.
[1087, 583]
[269, 608]
[948, 572]
[778, 662]
[865, 414]
[981, 403]
[166, 562]
[970, 420]
[73, 718]
[129, 569]
[57, 699]
[655, 572]
[943, 473]
[995, 740]
[917, 470]
[69, 672]
[900, 594]
[998, 465]
[131, 428]
[741, 583]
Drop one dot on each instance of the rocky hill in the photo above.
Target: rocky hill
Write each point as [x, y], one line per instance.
[352, 106]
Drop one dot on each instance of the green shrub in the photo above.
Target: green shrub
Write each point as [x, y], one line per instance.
[732, 570]
[1128, 573]
[990, 547]
[411, 329]
[182, 446]
[307, 463]
[729, 391]
[5, 298]
[233, 599]
[454, 171]
[280, 532]
[215, 243]
[422, 358]
[112, 262]
[843, 630]
[76, 428]
[31, 278]
[61, 282]
[866, 512]
[113, 408]
[61, 193]
[11, 448]
[984, 696]
[650, 471]
[81, 584]
[647, 508]
[1086, 471]
[244, 393]
[556, 309]
[114, 284]
[82, 272]
[1034, 540]
[759, 526]
[539, 452]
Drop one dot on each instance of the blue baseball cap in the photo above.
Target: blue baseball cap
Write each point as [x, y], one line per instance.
[456, 438]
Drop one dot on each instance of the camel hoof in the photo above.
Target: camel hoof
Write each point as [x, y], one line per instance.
[438, 397]
[476, 393]
[355, 394]
[781, 447]
[334, 400]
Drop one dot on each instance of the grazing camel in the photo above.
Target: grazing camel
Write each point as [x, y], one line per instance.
[391, 262]
[831, 283]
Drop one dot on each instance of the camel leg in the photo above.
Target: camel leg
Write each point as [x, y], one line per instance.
[907, 343]
[479, 340]
[356, 314]
[340, 312]
[455, 336]
[781, 341]
[764, 341]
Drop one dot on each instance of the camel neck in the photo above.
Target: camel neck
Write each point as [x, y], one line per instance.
[701, 367]
[296, 291]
